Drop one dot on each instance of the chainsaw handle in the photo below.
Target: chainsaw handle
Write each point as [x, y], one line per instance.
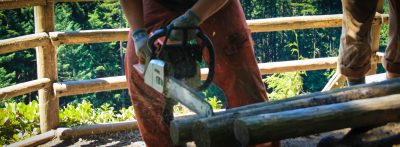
[165, 33]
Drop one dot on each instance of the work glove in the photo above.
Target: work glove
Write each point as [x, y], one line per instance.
[189, 19]
[143, 52]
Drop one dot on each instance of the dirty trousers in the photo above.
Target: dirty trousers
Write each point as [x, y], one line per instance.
[236, 71]
[355, 43]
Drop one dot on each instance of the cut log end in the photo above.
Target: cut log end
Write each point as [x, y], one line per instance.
[241, 133]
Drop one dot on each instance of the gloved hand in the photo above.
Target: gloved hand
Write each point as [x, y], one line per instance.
[189, 19]
[140, 38]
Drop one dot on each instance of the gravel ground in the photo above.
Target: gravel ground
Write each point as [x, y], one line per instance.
[133, 139]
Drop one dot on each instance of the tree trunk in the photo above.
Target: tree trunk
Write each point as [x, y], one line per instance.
[301, 122]
[219, 128]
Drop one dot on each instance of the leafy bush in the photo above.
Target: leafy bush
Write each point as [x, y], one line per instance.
[19, 121]
[284, 85]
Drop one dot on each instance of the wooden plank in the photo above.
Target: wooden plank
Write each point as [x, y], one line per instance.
[24, 42]
[303, 22]
[89, 86]
[24, 88]
[14, 4]
[218, 129]
[276, 126]
[89, 36]
[46, 57]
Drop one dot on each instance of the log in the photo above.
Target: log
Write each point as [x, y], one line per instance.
[24, 88]
[89, 36]
[76, 132]
[46, 57]
[336, 81]
[376, 37]
[14, 4]
[303, 22]
[301, 122]
[89, 86]
[219, 129]
[36, 140]
[80, 131]
[24, 42]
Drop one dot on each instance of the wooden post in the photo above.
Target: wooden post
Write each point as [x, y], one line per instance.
[301, 122]
[218, 130]
[46, 56]
[376, 29]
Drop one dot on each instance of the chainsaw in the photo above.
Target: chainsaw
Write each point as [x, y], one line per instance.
[174, 68]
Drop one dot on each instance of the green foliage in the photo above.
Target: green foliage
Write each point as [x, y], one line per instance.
[284, 85]
[19, 121]
[215, 102]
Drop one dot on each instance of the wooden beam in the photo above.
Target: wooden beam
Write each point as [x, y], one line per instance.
[89, 86]
[24, 88]
[46, 57]
[218, 129]
[80, 131]
[76, 132]
[303, 22]
[24, 42]
[262, 128]
[89, 36]
[376, 37]
[14, 4]
[336, 81]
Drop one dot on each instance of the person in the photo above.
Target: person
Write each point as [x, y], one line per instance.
[355, 52]
[236, 70]
[355, 44]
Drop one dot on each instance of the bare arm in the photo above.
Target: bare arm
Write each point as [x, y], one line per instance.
[133, 10]
[206, 8]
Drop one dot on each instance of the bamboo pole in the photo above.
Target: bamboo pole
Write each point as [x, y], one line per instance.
[47, 68]
[76, 132]
[219, 129]
[24, 88]
[89, 36]
[282, 125]
[303, 22]
[14, 4]
[376, 31]
[24, 42]
[89, 86]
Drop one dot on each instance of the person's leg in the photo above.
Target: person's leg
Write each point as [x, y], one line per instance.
[355, 47]
[391, 62]
[152, 111]
[237, 73]
[236, 70]
[354, 54]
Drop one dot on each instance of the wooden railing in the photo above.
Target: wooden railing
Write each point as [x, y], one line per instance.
[46, 41]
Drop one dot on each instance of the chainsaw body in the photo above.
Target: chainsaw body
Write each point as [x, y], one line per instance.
[174, 69]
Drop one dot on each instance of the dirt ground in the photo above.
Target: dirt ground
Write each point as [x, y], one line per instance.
[133, 139]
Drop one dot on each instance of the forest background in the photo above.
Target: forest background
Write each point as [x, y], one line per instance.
[96, 60]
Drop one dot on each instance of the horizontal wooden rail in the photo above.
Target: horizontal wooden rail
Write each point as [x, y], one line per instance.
[75, 132]
[89, 36]
[14, 4]
[303, 22]
[258, 25]
[89, 86]
[23, 42]
[116, 83]
[24, 88]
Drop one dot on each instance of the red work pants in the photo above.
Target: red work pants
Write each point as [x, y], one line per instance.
[236, 70]
[355, 43]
